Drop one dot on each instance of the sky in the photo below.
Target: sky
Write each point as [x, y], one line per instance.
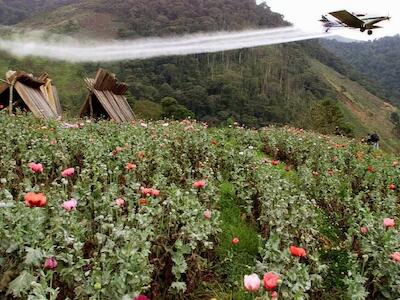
[305, 14]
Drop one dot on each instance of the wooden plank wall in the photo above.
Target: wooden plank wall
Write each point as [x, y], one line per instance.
[36, 101]
[110, 93]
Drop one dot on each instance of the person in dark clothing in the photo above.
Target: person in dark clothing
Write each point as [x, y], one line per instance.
[373, 139]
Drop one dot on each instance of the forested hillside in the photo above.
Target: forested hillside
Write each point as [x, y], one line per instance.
[378, 59]
[133, 18]
[14, 11]
[265, 85]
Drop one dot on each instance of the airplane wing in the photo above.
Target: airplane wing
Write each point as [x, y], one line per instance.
[347, 18]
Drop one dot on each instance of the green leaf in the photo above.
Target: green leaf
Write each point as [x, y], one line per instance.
[33, 257]
[178, 286]
[20, 285]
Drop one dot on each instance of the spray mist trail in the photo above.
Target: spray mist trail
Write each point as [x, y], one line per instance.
[59, 48]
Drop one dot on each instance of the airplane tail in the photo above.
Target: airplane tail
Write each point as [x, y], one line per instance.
[324, 19]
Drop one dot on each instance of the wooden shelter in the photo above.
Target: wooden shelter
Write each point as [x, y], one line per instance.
[106, 98]
[23, 91]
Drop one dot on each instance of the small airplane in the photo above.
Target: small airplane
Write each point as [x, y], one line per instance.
[352, 20]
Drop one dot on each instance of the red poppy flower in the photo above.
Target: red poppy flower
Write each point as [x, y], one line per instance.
[36, 168]
[130, 166]
[199, 184]
[296, 251]
[275, 162]
[35, 200]
[271, 281]
[235, 241]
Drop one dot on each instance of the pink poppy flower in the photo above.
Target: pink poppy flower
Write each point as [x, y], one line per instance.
[395, 257]
[50, 263]
[392, 186]
[274, 295]
[70, 204]
[117, 150]
[146, 191]
[155, 193]
[207, 214]
[36, 168]
[120, 202]
[252, 282]
[199, 184]
[68, 172]
[388, 223]
[364, 230]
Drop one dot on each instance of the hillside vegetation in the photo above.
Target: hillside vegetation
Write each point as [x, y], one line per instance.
[174, 210]
[365, 111]
[15, 11]
[256, 87]
[378, 60]
[134, 18]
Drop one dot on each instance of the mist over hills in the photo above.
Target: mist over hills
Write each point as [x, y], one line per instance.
[292, 83]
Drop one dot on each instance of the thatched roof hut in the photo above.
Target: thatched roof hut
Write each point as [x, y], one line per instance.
[21, 90]
[106, 98]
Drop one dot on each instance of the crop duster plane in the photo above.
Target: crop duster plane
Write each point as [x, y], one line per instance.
[343, 18]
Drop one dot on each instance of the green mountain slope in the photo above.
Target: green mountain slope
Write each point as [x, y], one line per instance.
[15, 11]
[133, 18]
[281, 84]
[365, 111]
[378, 59]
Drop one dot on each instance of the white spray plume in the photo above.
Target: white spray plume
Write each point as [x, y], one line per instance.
[74, 50]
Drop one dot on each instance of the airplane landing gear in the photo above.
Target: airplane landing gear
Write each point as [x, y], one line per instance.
[369, 32]
[362, 29]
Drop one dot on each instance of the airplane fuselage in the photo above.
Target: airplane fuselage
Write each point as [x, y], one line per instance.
[351, 20]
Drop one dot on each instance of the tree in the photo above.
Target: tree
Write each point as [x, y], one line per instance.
[171, 109]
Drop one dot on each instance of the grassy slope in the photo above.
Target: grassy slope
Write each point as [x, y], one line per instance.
[365, 111]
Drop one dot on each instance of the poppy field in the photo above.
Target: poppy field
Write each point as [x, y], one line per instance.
[177, 210]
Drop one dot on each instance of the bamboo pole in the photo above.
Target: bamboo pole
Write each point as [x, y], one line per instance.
[10, 104]
[91, 106]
